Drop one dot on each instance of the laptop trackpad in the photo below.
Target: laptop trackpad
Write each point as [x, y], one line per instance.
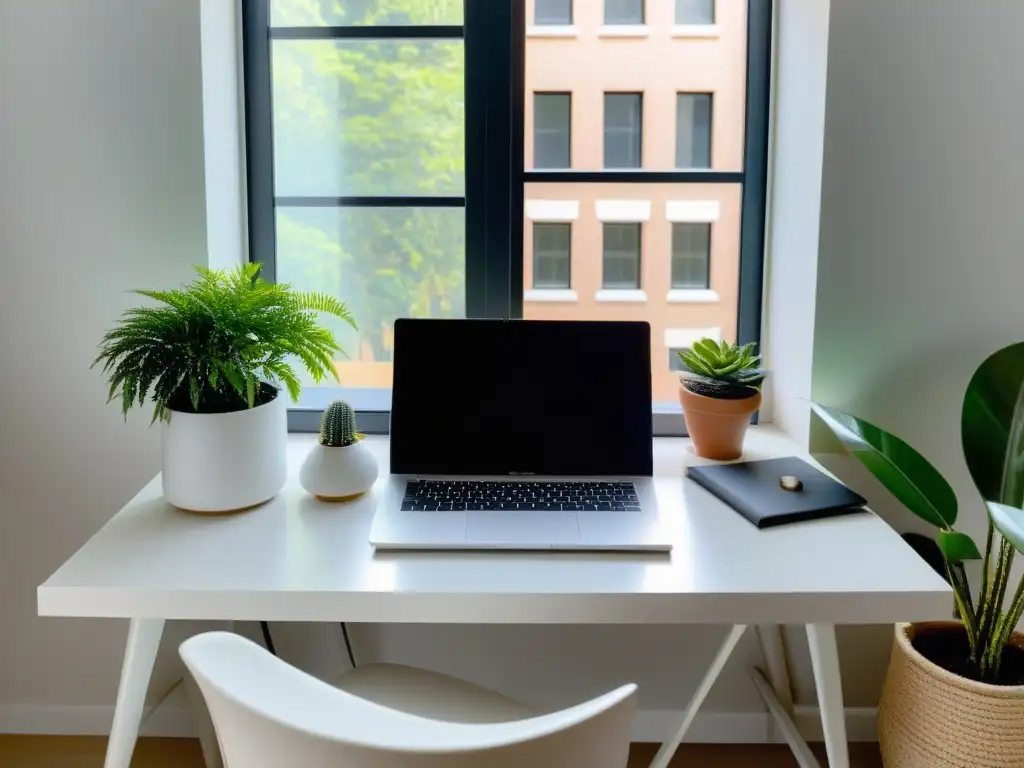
[528, 528]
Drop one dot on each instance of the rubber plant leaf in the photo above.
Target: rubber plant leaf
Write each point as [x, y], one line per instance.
[957, 547]
[992, 427]
[1009, 521]
[904, 472]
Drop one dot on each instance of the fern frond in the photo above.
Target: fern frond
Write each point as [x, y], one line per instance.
[209, 344]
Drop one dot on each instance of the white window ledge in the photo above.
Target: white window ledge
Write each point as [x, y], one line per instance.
[552, 210]
[705, 31]
[552, 30]
[692, 296]
[621, 296]
[623, 211]
[624, 30]
[693, 211]
[551, 295]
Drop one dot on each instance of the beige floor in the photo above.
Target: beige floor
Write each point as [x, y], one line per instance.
[87, 752]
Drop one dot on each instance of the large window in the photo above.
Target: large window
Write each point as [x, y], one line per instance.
[693, 130]
[424, 158]
[552, 123]
[623, 130]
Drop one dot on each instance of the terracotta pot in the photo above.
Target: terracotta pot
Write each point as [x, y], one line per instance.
[929, 717]
[717, 426]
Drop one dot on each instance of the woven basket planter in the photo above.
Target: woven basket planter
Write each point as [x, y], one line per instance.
[931, 718]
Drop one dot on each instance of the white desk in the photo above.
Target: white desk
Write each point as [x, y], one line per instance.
[296, 559]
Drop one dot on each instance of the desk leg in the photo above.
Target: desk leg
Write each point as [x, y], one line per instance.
[825, 660]
[668, 749]
[137, 668]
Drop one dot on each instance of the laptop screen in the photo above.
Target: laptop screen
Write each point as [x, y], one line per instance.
[493, 397]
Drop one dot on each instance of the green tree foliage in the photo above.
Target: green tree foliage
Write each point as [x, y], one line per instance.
[371, 117]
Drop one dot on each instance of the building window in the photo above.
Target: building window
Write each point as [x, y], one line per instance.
[674, 363]
[694, 11]
[691, 256]
[556, 12]
[693, 130]
[552, 249]
[623, 11]
[552, 128]
[623, 130]
[621, 263]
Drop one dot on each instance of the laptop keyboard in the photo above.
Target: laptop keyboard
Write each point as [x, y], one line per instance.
[460, 495]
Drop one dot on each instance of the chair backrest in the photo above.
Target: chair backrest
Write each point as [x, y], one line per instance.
[268, 714]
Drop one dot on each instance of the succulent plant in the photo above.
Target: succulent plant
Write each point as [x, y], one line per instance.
[338, 426]
[722, 370]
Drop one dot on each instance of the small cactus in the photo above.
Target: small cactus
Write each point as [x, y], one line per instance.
[338, 427]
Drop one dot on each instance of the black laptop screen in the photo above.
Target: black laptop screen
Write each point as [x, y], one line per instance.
[476, 397]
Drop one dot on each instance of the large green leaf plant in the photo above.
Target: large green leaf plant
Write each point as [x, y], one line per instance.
[208, 347]
[992, 428]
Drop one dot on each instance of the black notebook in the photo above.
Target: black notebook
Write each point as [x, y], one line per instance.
[752, 488]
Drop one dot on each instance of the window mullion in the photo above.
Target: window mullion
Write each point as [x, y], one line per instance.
[259, 137]
[495, 36]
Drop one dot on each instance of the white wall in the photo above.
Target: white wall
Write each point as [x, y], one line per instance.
[798, 127]
[922, 233]
[101, 190]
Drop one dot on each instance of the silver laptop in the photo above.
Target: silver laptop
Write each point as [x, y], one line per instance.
[521, 435]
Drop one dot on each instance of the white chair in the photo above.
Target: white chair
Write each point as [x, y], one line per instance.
[267, 714]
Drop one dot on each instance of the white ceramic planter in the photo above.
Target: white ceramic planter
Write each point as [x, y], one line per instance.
[222, 462]
[335, 473]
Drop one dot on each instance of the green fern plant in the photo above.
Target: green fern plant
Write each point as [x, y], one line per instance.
[722, 370]
[211, 346]
[338, 426]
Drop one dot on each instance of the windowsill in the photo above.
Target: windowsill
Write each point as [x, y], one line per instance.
[551, 296]
[621, 296]
[553, 30]
[692, 296]
[624, 30]
[703, 31]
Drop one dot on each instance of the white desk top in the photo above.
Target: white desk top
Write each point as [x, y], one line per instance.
[297, 559]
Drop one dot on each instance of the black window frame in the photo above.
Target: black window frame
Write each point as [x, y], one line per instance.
[494, 38]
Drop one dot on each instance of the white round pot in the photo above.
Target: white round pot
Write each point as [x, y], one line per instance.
[336, 473]
[224, 462]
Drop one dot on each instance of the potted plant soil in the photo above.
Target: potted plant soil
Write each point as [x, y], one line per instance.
[339, 467]
[720, 389]
[213, 358]
[954, 692]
